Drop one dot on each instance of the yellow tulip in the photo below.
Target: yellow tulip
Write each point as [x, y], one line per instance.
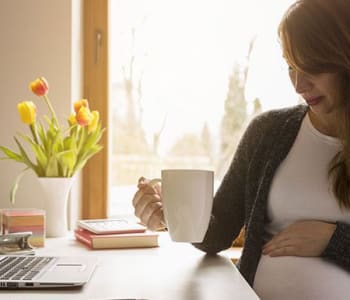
[79, 104]
[27, 112]
[84, 116]
[94, 121]
[39, 86]
[72, 120]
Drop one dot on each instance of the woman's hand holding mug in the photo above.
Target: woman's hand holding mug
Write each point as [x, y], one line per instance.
[147, 202]
[183, 198]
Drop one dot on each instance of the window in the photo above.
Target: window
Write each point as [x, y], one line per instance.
[185, 79]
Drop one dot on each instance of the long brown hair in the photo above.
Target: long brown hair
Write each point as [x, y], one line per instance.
[315, 38]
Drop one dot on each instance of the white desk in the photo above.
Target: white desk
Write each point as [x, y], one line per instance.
[174, 271]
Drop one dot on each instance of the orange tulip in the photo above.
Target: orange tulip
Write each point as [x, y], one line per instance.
[27, 112]
[39, 86]
[94, 121]
[79, 104]
[84, 116]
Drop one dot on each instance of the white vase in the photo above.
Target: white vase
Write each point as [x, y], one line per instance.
[56, 191]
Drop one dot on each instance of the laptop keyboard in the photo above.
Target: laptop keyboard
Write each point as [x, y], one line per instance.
[22, 267]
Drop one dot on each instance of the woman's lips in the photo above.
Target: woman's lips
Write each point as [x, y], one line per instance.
[313, 101]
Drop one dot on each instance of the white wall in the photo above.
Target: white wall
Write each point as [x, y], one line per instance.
[37, 38]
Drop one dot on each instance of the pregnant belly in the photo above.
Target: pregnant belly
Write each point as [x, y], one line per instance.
[290, 277]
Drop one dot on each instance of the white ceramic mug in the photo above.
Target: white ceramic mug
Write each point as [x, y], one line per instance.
[187, 197]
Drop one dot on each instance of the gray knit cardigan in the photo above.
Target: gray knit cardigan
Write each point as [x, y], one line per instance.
[242, 196]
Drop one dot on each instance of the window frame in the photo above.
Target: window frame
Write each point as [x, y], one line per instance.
[95, 82]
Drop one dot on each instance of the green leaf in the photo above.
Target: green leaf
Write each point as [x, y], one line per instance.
[52, 167]
[26, 158]
[93, 139]
[48, 121]
[68, 159]
[69, 143]
[74, 130]
[62, 170]
[56, 138]
[43, 138]
[40, 155]
[81, 138]
[87, 155]
[11, 154]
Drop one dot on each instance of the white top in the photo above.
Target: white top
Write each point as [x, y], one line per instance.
[301, 191]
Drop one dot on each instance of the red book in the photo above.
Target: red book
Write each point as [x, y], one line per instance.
[115, 241]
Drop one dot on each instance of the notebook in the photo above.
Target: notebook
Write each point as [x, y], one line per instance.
[18, 271]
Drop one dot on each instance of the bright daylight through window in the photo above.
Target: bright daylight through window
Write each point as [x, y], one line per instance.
[186, 78]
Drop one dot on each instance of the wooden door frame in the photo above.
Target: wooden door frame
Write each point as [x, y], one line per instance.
[96, 81]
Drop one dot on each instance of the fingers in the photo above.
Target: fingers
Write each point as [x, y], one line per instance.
[278, 239]
[144, 190]
[153, 216]
[147, 203]
[275, 245]
[144, 202]
[137, 197]
[145, 186]
[154, 183]
[281, 251]
[156, 221]
[142, 182]
[282, 244]
[150, 212]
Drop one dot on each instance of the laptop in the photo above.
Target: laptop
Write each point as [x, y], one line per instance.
[31, 272]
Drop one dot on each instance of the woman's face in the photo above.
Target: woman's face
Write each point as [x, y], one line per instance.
[319, 91]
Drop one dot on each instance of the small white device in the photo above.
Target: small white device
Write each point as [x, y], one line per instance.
[111, 226]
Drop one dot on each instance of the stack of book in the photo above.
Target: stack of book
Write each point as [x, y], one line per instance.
[114, 233]
[24, 220]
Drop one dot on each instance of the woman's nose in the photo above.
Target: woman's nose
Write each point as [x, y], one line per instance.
[301, 82]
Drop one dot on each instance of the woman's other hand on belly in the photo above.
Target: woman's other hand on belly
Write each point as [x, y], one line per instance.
[302, 238]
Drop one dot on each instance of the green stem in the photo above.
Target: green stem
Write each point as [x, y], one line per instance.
[15, 186]
[34, 132]
[51, 110]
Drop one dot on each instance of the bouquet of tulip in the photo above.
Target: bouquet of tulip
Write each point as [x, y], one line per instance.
[57, 151]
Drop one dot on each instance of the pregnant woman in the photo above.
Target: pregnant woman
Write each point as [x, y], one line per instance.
[289, 181]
